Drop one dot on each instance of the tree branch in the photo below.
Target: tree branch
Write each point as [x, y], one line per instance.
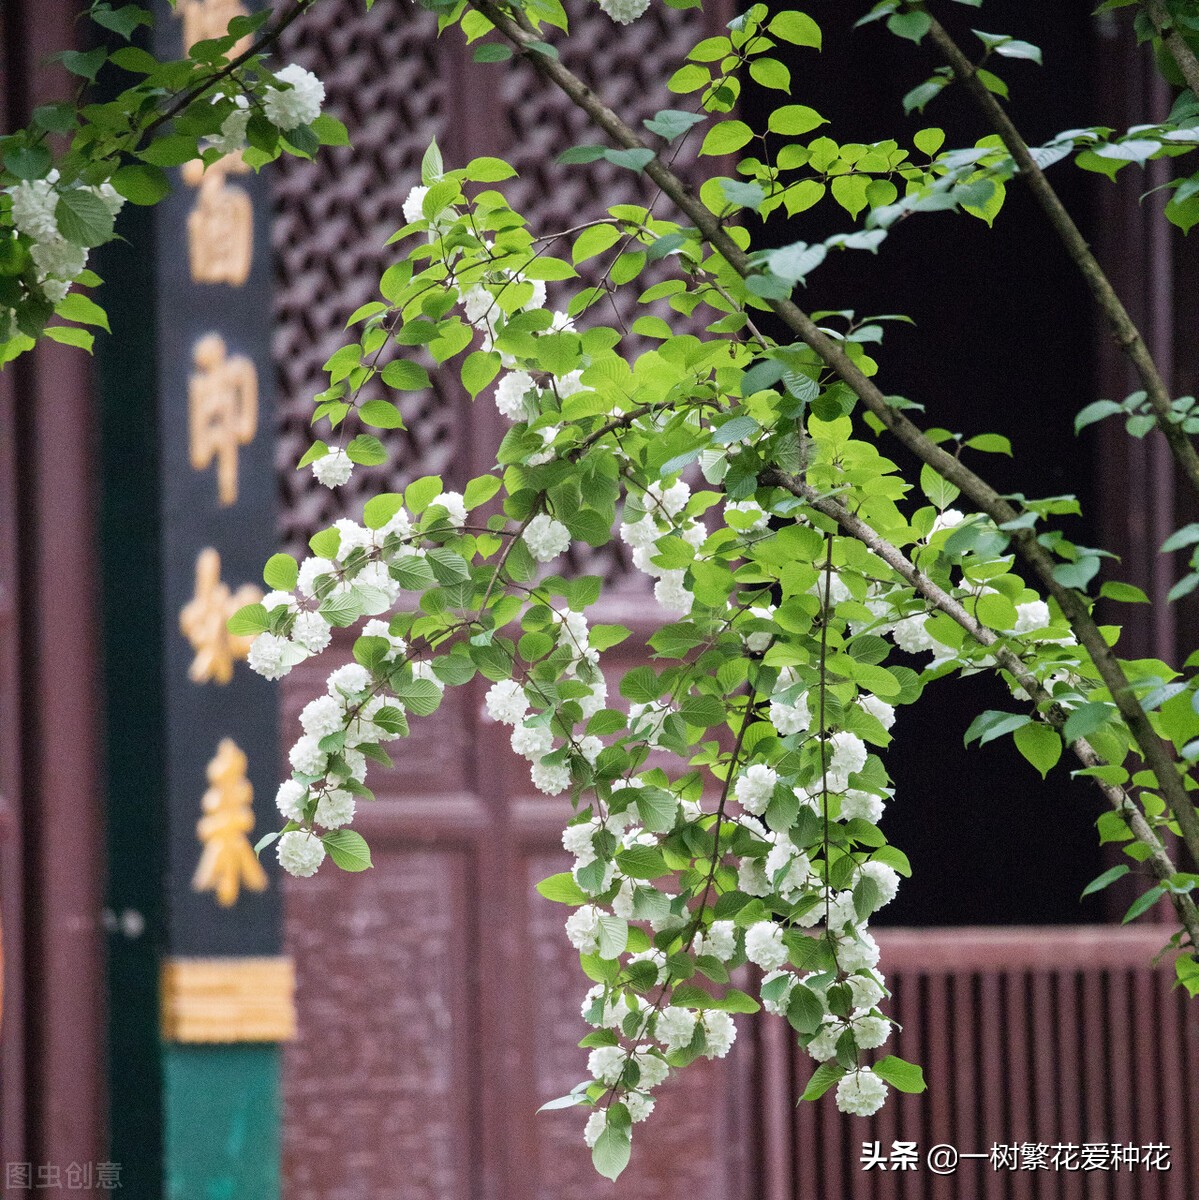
[1120, 801]
[1122, 326]
[518, 30]
[1182, 54]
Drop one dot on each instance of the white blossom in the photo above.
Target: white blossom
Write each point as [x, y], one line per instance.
[779, 1005]
[583, 928]
[550, 778]
[720, 941]
[764, 945]
[673, 1027]
[533, 742]
[758, 641]
[949, 519]
[454, 505]
[720, 1032]
[321, 717]
[639, 1105]
[624, 12]
[33, 209]
[300, 853]
[886, 878]
[855, 803]
[867, 991]
[861, 1093]
[879, 709]
[597, 1122]
[271, 656]
[755, 788]
[290, 798]
[233, 128]
[546, 538]
[312, 570]
[312, 631]
[848, 756]
[333, 469]
[1032, 616]
[510, 394]
[335, 808]
[671, 592]
[299, 105]
[506, 702]
[869, 1031]
[349, 680]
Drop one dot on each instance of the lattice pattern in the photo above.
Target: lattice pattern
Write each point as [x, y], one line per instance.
[383, 78]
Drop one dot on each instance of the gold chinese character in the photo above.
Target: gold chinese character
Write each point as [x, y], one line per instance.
[222, 401]
[228, 860]
[203, 621]
[220, 228]
[210, 19]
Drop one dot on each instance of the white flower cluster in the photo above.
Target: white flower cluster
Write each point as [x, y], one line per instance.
[664, 515]
[287, 108]
[58, 259]
[624, 12]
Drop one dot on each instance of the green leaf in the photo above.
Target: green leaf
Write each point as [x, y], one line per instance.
[431, 166]
[366, 450]
[610, 1154]
[1143, 903]
[381, 414]
[1085, 720]
[406, 376]
[1096, 412]
[83, 218]
[85, 65]
[604, 637]
[987, 726]
[634, 160]
[489, 170]
[726, 137]
[594, 241]
[493, 52]
[1107, 878]
[562, 889]
[480, 490]
[71, 335]
[670, 123]
[805, 1011]
[613, 936]
[901, 1075]
[281, 572]
[1040, 744]
[822, 1079]
[657, 808]
[141, 183]
[347, 849]
[939, 491]
[479, 369]
[28, 162]
[794, 119]
[248, 620]
[912, 25]
[795, 27]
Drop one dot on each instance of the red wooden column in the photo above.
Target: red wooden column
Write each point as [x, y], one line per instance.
[51, 840]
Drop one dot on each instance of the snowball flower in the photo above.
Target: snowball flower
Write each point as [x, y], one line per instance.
[855, 803]
[506, 702]
[312, 631]
[671, 592]
[764, 945]
[510, 394]
[861, 1093]
[1031, 616]
[579, 841]
[869, 1031]
[306, 756]
[273, 600]
[879, 709]
[604, 1013]
[312, 570]
[624, 12]
[886, 878]
[755, 788]
[583, 928]
[289, 799]
[640, 1106]
[299, 105]
[790, 718]
[33, 209]
[546, 538]
[867, 991]
[778, 1007]
[848, 756]
[720, 941]
[597, 1122]
[233, 128]
[454, 505]
[674, 1027]
[321, 717]
[333, 469]
[335, 808]
[949, 519]
[349, 680]
[550, 779]
[300, 853]
[720, 1033]
[751, 878]
[381, 629]
[758, 641]
[607, 1064]
[653, 1069]
[412, 205]
[671, 500]
[533, 742]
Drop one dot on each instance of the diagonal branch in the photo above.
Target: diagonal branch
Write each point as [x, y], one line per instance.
[1181, 52]
[1122, 326]
[520, 32]
[1121, 802]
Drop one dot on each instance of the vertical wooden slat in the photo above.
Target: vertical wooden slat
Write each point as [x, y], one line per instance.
[1069, 1081]
[992, 1101]
[1119, 1039]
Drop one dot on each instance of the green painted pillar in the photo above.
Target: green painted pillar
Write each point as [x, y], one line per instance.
[200, 995]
